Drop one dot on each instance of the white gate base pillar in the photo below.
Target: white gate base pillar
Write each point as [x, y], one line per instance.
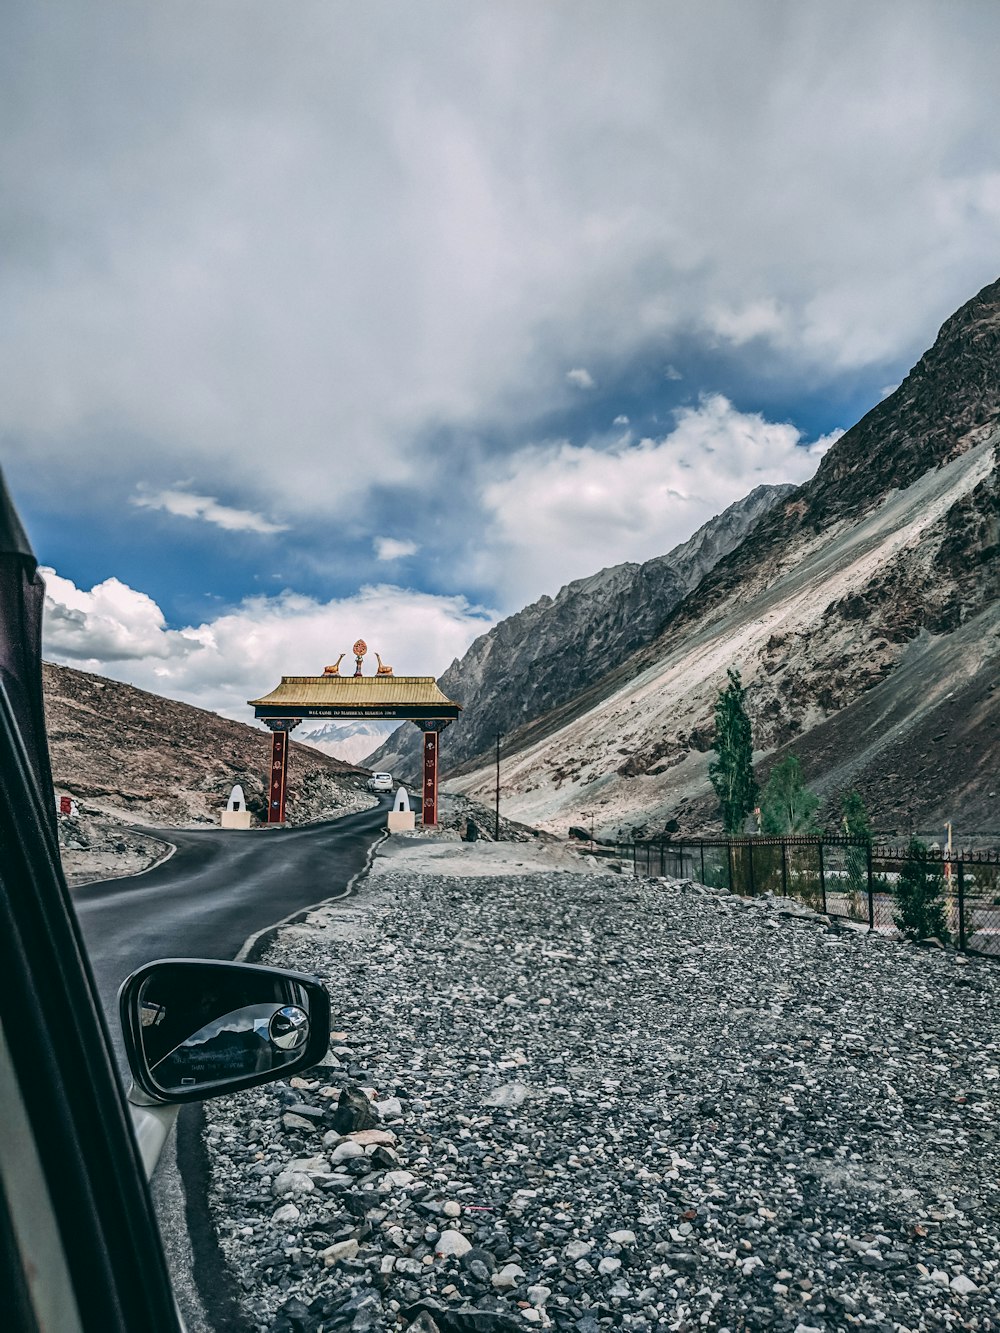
[401, 817]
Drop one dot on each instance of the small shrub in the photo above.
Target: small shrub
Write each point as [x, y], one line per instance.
[856, 824]
[919, 895]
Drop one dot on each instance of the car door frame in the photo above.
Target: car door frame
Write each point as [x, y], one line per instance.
[61, 1057]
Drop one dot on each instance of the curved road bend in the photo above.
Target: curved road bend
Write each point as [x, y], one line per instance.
[216, 890]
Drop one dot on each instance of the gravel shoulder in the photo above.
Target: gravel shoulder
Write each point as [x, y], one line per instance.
[596, 1102]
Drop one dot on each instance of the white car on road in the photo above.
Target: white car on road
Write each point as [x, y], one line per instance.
[380, 782]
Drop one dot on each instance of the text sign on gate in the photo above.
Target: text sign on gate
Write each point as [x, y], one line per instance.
[383, 712]
[430, 778]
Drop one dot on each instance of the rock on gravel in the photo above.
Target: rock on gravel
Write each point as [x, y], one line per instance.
[738, 1121]
[452, 1242]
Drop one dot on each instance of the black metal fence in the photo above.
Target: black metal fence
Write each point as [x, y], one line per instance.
[858, 881]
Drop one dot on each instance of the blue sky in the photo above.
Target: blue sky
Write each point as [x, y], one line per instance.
[388, 319]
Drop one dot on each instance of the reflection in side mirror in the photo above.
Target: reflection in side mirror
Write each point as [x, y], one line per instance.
[289, 1028]
[195, 1028]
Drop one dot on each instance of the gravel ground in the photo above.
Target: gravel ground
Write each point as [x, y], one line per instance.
[606, 1102]
[96, 845]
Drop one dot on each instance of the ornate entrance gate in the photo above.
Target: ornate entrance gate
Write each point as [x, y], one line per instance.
[383, 696]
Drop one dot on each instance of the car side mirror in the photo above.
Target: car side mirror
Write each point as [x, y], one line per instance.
[196, 1028]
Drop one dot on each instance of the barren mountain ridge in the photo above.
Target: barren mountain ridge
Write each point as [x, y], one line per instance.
[861, 610]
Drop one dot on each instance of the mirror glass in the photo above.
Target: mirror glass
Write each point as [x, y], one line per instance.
[201, 1025]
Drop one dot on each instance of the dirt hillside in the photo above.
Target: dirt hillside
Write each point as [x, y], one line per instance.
[132, 758]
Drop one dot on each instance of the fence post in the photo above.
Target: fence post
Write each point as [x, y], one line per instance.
[961, 906]
[753, 882]
[703, 863]
[729, 862]
[871, 888]
[784, 869]
[822, 875]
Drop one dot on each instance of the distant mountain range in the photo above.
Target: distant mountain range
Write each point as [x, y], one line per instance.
[545, 655]
[349, 741]
[861, 608]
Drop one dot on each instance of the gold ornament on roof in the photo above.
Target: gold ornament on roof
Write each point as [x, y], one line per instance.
[382, 670]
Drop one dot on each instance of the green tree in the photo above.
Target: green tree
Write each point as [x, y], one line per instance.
[787, 805]
[731, 772]
[855, 823]
[854, 817]
[919, 895]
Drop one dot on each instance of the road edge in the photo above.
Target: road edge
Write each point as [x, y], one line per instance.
[254, 945]
[133, 874]
[211, 1305]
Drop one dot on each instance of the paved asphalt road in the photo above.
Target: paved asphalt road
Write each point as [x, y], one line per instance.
[216, 890]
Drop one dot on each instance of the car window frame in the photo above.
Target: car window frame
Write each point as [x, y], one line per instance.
[62, 1058]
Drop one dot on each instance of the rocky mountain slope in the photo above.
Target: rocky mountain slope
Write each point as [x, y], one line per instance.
[129, 757]
[546, 654]
[859, 610]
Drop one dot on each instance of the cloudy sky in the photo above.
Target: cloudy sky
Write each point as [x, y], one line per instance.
[324, 320]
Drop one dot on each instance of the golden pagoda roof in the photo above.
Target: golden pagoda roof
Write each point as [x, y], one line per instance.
[365, 696]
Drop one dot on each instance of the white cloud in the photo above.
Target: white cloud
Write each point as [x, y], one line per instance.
[317, 260]
[755, 319]
[620, 421]
[581, 378]
[672, 373]
[562, 511]
[111, 623]
[185, 504]
[241, 654]
[392, 548]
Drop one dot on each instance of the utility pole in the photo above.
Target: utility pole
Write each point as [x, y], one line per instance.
[496, 822]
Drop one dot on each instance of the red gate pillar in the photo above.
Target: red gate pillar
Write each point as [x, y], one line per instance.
[432, 730]
[429, 816]
[279, 778]
[278, 782]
